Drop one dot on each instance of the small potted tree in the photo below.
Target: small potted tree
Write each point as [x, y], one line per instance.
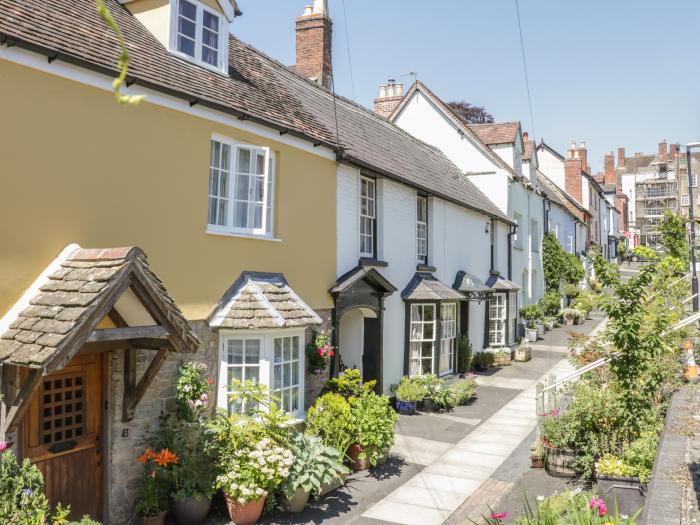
[483, 360]
[531, 314]
[372, 420]
[408, 394]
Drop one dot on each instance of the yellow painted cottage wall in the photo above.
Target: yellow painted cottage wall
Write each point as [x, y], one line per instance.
[76, 167]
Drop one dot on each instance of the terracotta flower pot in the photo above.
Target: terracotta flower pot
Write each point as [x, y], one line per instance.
[297, 502]
[191, 511]
[154, 520]
[356, 463]
[245, 513]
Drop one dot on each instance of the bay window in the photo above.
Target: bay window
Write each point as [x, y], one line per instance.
[368, 217]
[199, 34]
[241, 189]
[426, 335]
[274, 359]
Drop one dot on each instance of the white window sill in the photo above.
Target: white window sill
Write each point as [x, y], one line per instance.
[243, 236]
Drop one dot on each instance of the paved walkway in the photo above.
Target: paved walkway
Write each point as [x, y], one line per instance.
[446, 467]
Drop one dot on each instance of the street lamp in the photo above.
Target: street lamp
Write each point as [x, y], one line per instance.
[694, 281]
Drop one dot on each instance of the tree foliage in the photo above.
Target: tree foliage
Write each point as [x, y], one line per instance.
[471, 114]
[674, 238]
[558, 264]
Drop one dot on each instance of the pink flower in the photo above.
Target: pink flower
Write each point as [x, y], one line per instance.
[190, 403]
[556, 412]
[210, 381]
[320, 351]
[497, 516]
[599, 505]
[3, 446]
[204, 397]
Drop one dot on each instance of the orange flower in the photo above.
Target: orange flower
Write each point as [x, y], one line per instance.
[166, 458]
[149, 454]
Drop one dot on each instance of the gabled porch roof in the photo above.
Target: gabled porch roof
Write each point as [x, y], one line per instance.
[471, 286]
[425, 286]
[497, 283]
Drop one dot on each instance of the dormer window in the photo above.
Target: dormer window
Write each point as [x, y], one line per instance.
[199, 34]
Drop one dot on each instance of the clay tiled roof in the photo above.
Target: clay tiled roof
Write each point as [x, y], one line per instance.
[262, 300]
[256, 88]
[497, 132]
[65, 309]
[426, 287]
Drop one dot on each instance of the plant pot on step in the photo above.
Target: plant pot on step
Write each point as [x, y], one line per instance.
[333, 485]
[245, 513]
[406, 407]
[523, 354]
[531, 334]
[503, 359]
[536, 461]
[557, 462]
[154, 520]
[297, 502]
[629, 493]
[358, 463]
[192, 510]
[540, 329]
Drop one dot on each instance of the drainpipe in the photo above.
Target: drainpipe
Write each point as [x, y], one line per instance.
[513, 231]
[546, 207]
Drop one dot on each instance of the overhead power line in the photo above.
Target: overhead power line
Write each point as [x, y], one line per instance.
[527, 80]
[347, 44]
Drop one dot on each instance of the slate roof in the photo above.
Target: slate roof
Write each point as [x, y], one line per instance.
[568, 200]
[499, 283]
[497, 132]
[67, 307]
[426, 287]
[257, 88]
[262, 300]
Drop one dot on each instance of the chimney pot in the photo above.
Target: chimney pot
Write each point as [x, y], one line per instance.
[526, 136]
[382, 91]
[399, 90]
[308, 10]
[390, 96]
[320, 7]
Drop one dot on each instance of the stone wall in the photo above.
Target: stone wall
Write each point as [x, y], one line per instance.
[127, 440]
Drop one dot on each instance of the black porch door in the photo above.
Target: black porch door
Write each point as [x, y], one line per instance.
[370, 353]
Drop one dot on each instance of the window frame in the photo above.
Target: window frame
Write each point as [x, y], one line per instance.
[266, 363]
[373, 218]
[452, 341]
[518, 241]
[512, 316]
[422, 258]
[434, 339]
[693, 180]
[503, 319]
[685, 199]
[266, 229]
[222, 62]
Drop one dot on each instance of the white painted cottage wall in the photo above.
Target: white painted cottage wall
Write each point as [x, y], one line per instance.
[567, 226]
[348, 221]
[552, 166]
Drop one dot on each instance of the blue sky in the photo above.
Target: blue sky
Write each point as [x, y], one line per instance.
[612, 73]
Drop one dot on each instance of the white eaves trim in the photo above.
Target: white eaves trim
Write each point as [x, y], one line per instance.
[13, 313]
[84, 76]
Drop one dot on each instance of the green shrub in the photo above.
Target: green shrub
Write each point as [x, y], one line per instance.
[465, 354]
[409, 390]
[85, 520]
[531, 313]
[571, 291]
[348, 384]
[550, 304]
[485, 359]
[329, 418]
[644, 252]
[372, 423]
[463, 390]
[435, 390]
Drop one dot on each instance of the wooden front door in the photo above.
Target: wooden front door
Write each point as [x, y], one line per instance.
[62, 435]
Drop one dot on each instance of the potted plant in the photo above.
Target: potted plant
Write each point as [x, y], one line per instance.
[320, 353]
[502, 355]
[570, 316]
[531, 314]
[154, 494]
[462, 390]
[465, 357]
[408, 394]
[537, 455]
[571, 292]
[329, 418]
[523, 352]
[435, 397]
[373, 421]
[483, 360]
[314, 466]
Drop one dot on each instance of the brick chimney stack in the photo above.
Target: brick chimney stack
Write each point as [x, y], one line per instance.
[673, 152]
[610, 169]
[621, 157]
[663, 151]
[526, 137]
[390, 96]
[572, 173]
[314, 44]
[583, 155]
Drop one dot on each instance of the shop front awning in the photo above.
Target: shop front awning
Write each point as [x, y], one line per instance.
[473, 288]
[259, 300]
[425, 286]
[497, 283]
[58, 316]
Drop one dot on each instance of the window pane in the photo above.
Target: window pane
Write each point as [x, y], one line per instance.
[295, 400]
[185, 45]
[187, 9]
[287, 348]
[428, 331]
[242, 187]
[235, 351]
[428, 312]
[210, 21]
[235, 373]
[277, 382]
[243, 160]
[241, 215]
[252, 373]
[295, 373]
[278, 350]
[287, 379]
[210, 56]
[295, 348]
[252, 351]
